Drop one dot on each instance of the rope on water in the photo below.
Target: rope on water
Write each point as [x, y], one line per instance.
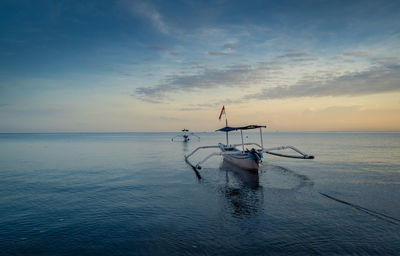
[368, 211]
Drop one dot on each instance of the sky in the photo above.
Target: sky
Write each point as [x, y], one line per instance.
[126, 66]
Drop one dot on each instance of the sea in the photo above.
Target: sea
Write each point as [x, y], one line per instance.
[133, 194]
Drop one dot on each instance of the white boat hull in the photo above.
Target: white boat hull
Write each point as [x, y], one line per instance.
[244, 159]
[241, 160]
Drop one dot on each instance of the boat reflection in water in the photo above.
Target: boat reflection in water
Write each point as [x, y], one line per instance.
[244, 177]
[185, 146]
[242, 190]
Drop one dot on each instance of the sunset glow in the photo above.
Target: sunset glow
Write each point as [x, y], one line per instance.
[160, 65]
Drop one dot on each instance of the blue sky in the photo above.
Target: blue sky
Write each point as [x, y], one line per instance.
[159, 65]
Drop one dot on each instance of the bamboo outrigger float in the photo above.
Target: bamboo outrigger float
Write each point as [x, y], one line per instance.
[237, 154]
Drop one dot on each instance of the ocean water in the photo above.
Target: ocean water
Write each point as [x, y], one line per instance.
[133, 194]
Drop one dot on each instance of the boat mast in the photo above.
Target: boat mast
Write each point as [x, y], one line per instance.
[241, 134]
[226, 123]
[262, 143]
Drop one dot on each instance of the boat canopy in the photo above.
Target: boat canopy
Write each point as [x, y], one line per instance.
[247, 127]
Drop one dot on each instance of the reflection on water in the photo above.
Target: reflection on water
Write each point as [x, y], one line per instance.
[184, 146]
[247, 178]
[278, 177]
[242, 190]
[60, 192]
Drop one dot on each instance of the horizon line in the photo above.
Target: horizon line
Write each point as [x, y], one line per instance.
[82, 132]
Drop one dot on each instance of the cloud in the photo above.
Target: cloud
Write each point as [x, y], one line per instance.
[233, 76]
[158, 47]
[356, 54]
[227, 49]
[147, 11]
[377, 80]
[190, 109]
[214, 104]
[383, 76]
[204, 105]
[303, 59]
[296, 53]
[223, 53]
[230, 46]
[388, 61]
[206, 78]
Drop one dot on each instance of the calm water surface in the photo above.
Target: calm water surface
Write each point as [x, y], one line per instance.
[133, 194]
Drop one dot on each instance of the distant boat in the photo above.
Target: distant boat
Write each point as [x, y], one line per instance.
[185, 135]
[241, 157]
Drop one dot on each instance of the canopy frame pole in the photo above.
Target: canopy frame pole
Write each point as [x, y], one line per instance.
[261, 138]
[241, 134]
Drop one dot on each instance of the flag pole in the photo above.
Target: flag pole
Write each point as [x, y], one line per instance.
[226, 123]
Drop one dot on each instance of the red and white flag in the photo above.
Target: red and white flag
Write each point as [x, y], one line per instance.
[222, 112]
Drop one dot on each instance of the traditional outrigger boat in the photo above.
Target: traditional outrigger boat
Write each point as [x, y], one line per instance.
[244, 158]
[185, 135]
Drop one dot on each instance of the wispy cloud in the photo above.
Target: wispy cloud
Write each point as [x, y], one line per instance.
[227, 49]
[356, 54]
[213, 104]
[230, 76]
[233, 76]
[149, 12]
[158, 47]
[190, 109]
[382, 76]
[223, 53]
[230, 46]
[381, 79]
[296, 53]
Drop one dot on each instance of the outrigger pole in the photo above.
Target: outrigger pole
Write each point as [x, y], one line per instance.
[259, 148]
[255, 154]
